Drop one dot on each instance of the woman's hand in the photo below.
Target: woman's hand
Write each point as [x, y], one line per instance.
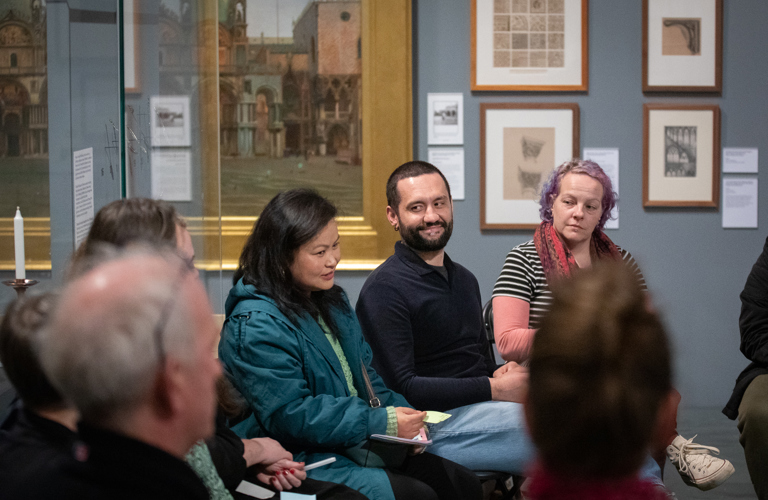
[265, 451]
[409, 421]
[282, 475]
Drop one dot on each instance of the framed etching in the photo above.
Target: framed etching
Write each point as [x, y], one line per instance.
[681, 155]
[170, 120]
[539, 45]
[683, 46]
[520, 144]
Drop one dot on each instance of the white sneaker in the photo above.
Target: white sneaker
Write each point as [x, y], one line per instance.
[696, 464]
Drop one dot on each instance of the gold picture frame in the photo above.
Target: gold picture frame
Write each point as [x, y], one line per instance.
[367, 240]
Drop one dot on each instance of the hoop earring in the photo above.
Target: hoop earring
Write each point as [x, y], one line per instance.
[397, 227]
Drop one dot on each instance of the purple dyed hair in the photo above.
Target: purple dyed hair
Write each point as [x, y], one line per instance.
[551, 188]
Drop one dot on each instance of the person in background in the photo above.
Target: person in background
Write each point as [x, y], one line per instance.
[292, 346]
[129, 345]
[576, 201]
[422, 314]
[225, 459]
[40, 431]
[749, 401]
[600, 381]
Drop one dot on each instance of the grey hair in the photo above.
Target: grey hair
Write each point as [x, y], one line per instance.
[100, 350]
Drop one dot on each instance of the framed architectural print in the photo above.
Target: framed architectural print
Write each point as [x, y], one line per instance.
[681, 155]
[539, 45]
[683, 46]
[520, 144]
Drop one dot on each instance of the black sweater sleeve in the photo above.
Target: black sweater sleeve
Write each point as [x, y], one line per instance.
[227, 453]
[385, 319]
[753, 321]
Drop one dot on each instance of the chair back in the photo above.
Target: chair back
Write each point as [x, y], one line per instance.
[488, 325]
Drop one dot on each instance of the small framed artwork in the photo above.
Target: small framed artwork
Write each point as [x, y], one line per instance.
[681, 155]
[520, 145]
[170, 125]
[538, 45]
[445, 123]
[683, 46]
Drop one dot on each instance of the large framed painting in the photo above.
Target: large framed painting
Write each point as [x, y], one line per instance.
[303, 85]
[683, 46]
[520, 145]
[681, 155]
[539, 45]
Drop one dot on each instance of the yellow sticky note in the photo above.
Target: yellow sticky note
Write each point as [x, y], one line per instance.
[434, 417]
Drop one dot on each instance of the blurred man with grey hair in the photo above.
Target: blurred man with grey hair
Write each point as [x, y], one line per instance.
[130, 344]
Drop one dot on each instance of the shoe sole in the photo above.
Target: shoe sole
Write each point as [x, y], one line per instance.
[713, 480]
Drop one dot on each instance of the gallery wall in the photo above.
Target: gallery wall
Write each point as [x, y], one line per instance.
[695, 270]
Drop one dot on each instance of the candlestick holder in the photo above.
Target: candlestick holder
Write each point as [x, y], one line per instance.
[20, 285]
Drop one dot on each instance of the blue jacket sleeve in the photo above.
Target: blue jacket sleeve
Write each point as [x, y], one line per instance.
[272, 365]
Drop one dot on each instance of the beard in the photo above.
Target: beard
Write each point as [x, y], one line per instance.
[412, 238]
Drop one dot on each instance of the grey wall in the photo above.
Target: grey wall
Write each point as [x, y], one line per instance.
[694, 269]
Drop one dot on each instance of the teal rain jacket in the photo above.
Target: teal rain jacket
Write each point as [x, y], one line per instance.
[293, 381]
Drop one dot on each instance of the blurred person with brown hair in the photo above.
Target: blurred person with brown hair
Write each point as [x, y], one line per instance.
[600, 383]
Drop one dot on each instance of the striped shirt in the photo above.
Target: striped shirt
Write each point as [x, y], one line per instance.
[522, 277]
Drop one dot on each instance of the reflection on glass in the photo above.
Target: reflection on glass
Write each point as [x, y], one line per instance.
[23, 109]
[290, 101]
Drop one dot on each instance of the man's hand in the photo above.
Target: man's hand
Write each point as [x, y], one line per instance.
[265, 451]
[509, 383]
[409, 421]
[282, 475]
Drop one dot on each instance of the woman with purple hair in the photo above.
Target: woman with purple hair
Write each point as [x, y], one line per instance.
[576, 201]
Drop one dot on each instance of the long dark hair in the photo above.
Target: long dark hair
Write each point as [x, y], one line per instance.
[290, 219]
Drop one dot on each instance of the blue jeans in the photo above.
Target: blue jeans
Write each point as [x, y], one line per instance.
[484, 436]
[492, 436]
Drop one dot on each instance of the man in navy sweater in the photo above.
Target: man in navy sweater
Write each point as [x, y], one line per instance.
[422, 315]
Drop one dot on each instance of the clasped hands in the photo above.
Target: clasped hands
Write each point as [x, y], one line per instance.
[509, 383]
[274, 463]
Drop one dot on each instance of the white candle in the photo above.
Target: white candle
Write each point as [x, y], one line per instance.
[18, 242]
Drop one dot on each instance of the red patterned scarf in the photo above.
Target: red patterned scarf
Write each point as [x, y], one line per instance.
[558, 262]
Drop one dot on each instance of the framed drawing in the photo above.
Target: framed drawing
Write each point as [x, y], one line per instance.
[170, 120]
[681, 155]
[529, 45]
[520, 144]
[131, 49]
[683, 46]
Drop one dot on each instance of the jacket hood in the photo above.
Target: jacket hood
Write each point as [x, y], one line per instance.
[241, 292]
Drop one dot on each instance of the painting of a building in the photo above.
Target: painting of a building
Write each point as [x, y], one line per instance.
[298, 95]
[23, 84]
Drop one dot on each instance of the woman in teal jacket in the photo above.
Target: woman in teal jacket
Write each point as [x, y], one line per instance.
[293, 347]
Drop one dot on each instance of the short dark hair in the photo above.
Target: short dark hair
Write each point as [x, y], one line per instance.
[406, 170]
[288, 221]
[599, 371]
[23, 320]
